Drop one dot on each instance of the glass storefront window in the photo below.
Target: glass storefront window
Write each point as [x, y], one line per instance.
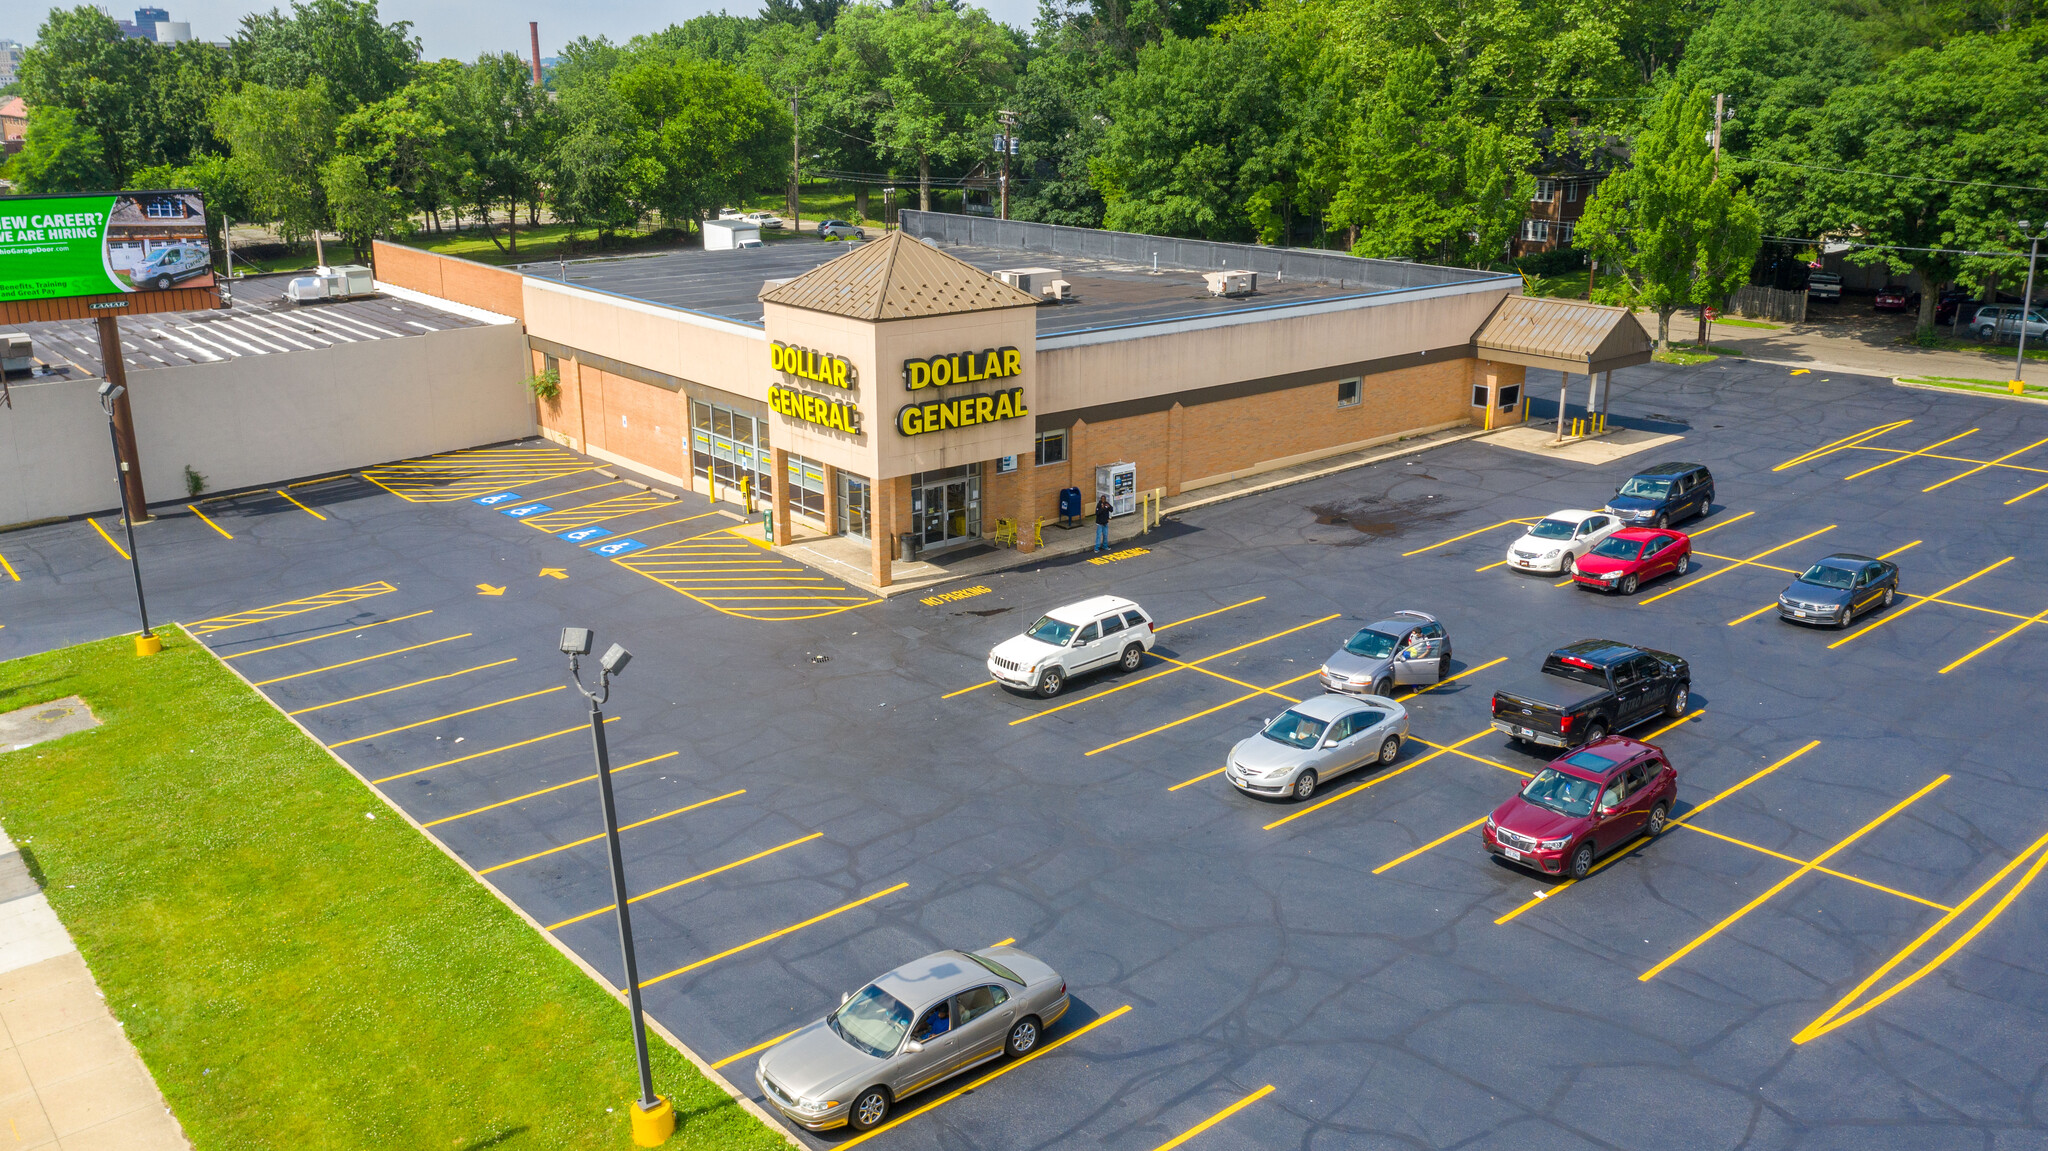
[853, 506]
[945, 506]
[806, 486]
[733, 445]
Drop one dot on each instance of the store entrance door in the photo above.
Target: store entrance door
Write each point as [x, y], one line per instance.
[947, 513]
[853, 506]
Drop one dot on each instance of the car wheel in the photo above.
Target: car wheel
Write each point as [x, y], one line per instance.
[1628, 584]
[1443, 667]
[1655, 827]
[1384, 687]
[1848, 615]
[870, 1108]
[1304, 785]
[1984, 333]
[1597, 732]
[1391, 749]
[1051, 682]
[1663, 520]
[163, 283]
[1570, 566]
[1679, 700]
[1582, 862]
[1023, 1037]
[1888, 594]
[1133, 656]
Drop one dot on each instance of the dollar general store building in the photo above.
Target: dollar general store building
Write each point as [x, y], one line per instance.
[963, 371]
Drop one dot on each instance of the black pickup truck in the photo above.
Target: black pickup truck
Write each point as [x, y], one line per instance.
[1590, 688]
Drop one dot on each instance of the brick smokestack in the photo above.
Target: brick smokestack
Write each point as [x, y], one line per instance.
[533, 30]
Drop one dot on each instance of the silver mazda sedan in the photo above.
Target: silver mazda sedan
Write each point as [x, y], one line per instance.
[1408, 647]
[1315, 740]
[921, 1023]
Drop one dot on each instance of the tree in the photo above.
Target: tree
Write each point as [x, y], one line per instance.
[60, 154]
[937, 74]
[339, 42]
[1936, 156]
[711, 135]
[504, 128]
[404, 138]
[218, 178]
[1673, 232]
[282, 139]
[144, 103]
[1188, 131]
[362, 206]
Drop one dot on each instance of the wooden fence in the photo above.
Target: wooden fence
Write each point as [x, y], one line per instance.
[1768, 304]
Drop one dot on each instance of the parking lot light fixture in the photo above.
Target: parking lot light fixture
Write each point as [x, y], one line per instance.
[146, 641]
[653, 1117]
[2019, 362]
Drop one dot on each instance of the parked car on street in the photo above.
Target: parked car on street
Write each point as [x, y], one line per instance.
[841, 229]
[1946, 304]
[1838, 588]
[1105, 631]
[1408, 647]
[1663, 494]
[1892, 298]
[1555, 542]
[2004, 320]
[924, 1022]
[1316, 740]
[1583, 806]
[1589, 689]
[1632, 557]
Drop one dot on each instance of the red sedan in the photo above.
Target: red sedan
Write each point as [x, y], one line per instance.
[1583, 806]
[1891, 298]
[1632, 557]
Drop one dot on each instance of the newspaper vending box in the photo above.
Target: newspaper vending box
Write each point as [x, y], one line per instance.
[1120, 483]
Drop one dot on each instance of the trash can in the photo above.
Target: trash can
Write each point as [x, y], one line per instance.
[906, 548]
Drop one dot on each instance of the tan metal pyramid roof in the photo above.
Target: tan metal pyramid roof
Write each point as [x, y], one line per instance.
[897, 278]
[1568, 335]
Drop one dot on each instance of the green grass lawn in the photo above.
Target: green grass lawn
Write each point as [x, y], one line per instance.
[1692, 353]
[1969, 384]
[299, 967]
[2035, 350]
[1733, 322]
[546, 242]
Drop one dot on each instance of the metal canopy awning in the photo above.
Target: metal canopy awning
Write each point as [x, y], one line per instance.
[1563, 335]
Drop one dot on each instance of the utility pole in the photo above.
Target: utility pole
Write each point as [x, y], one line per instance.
[796, 160]
[1719, 97]
[2019, 361]
[1009, 120]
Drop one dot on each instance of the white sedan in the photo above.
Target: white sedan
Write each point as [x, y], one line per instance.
[1557, 541]
[763, 219]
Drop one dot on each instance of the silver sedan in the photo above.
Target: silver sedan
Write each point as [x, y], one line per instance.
[1315, 740]
[921, 1023]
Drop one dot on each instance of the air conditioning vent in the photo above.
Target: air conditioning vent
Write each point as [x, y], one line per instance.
[1233, 283]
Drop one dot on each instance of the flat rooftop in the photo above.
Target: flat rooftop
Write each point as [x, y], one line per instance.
[1107, 292]
[261, 323]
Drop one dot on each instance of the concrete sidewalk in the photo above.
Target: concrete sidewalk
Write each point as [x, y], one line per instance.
[69, 1078]
[1858, 345]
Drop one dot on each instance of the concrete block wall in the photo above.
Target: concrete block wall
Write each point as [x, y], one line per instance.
[463, 281]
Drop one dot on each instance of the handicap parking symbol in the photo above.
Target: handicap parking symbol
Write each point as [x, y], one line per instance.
[584, 535]
[492, 501]
[524, 510]
[617, 548]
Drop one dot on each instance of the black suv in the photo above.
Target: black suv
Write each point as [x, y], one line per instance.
[1663, 494]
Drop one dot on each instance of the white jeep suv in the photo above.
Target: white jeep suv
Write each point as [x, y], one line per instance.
[1095, 633]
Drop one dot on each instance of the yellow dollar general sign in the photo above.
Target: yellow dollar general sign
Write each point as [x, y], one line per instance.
[817, 367]
[963, 368]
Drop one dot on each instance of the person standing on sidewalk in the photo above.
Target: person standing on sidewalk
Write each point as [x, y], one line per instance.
[1102, 510]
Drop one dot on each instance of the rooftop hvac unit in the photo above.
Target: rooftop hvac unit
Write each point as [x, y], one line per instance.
[1059, 290]
[340, 282]
[1032, 280]
[17, 352]
[1236, 283]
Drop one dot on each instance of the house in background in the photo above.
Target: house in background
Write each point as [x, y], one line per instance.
[1565, 179]
[13, 125]
[143, 224]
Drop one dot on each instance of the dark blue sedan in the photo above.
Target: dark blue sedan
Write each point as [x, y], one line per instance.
[1662, 495]
[1839, 588]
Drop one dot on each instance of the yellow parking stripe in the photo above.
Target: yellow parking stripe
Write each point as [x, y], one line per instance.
[363, 659]
[300, 506]
[1989, 464]
[1842, 444]
[770, 938]
[1171, 670]
[1917, 602]
[1736, 564]
[450, 715]
[1782, 884]
[103, 535]
[1823, 870]
[1213, 1120]
[1718, 525]
[600, 835]
[1377, 780]
[493, 751]
[1903, 457]
[1439, 841]
[546, 790]
[719, 870]
[327, 635]
[762, 1046]
[1466, 536]
[999, 1072]
[2002, 637]
[403, 686]
[334, 598]
[11, 574]
[208, 520]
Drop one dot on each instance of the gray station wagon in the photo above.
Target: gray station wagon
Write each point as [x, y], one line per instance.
[922, 1023]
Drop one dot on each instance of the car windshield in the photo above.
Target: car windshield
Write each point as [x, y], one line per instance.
[1615, 548]
[1295, 730]
[1554, 529]
[1564, 794]
[873, 1021]
[1053, 631]
[1827, 576]
[1372, 644]
[1647, 488]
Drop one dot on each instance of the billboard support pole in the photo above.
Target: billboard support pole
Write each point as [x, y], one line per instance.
[115, 371]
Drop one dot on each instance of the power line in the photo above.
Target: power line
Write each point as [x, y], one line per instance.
[1890, 176]
[1890, 247]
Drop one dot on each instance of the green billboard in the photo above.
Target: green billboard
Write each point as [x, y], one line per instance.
[100, 244]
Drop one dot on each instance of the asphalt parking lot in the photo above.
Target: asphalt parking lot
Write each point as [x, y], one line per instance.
[1836, 945]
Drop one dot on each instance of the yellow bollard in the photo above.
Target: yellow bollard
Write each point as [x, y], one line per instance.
[652, 1127]
[2016, 388]
[148, 645]
[1038, 533]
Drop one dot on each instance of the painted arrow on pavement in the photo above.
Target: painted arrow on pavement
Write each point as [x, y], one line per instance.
[557, 573]
[486, 589]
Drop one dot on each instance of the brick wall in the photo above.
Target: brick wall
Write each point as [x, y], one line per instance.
[464, 281]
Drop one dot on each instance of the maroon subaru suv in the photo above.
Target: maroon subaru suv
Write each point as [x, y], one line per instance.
[1584, 805]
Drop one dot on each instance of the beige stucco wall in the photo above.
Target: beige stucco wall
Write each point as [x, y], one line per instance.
[1083, 371]
[720, 353]
[264, 419]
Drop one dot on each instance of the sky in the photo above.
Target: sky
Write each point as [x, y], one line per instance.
[465, 29]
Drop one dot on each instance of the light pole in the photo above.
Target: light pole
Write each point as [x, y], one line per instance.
[2019, 361]
[146, 642]
[654, 1118]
